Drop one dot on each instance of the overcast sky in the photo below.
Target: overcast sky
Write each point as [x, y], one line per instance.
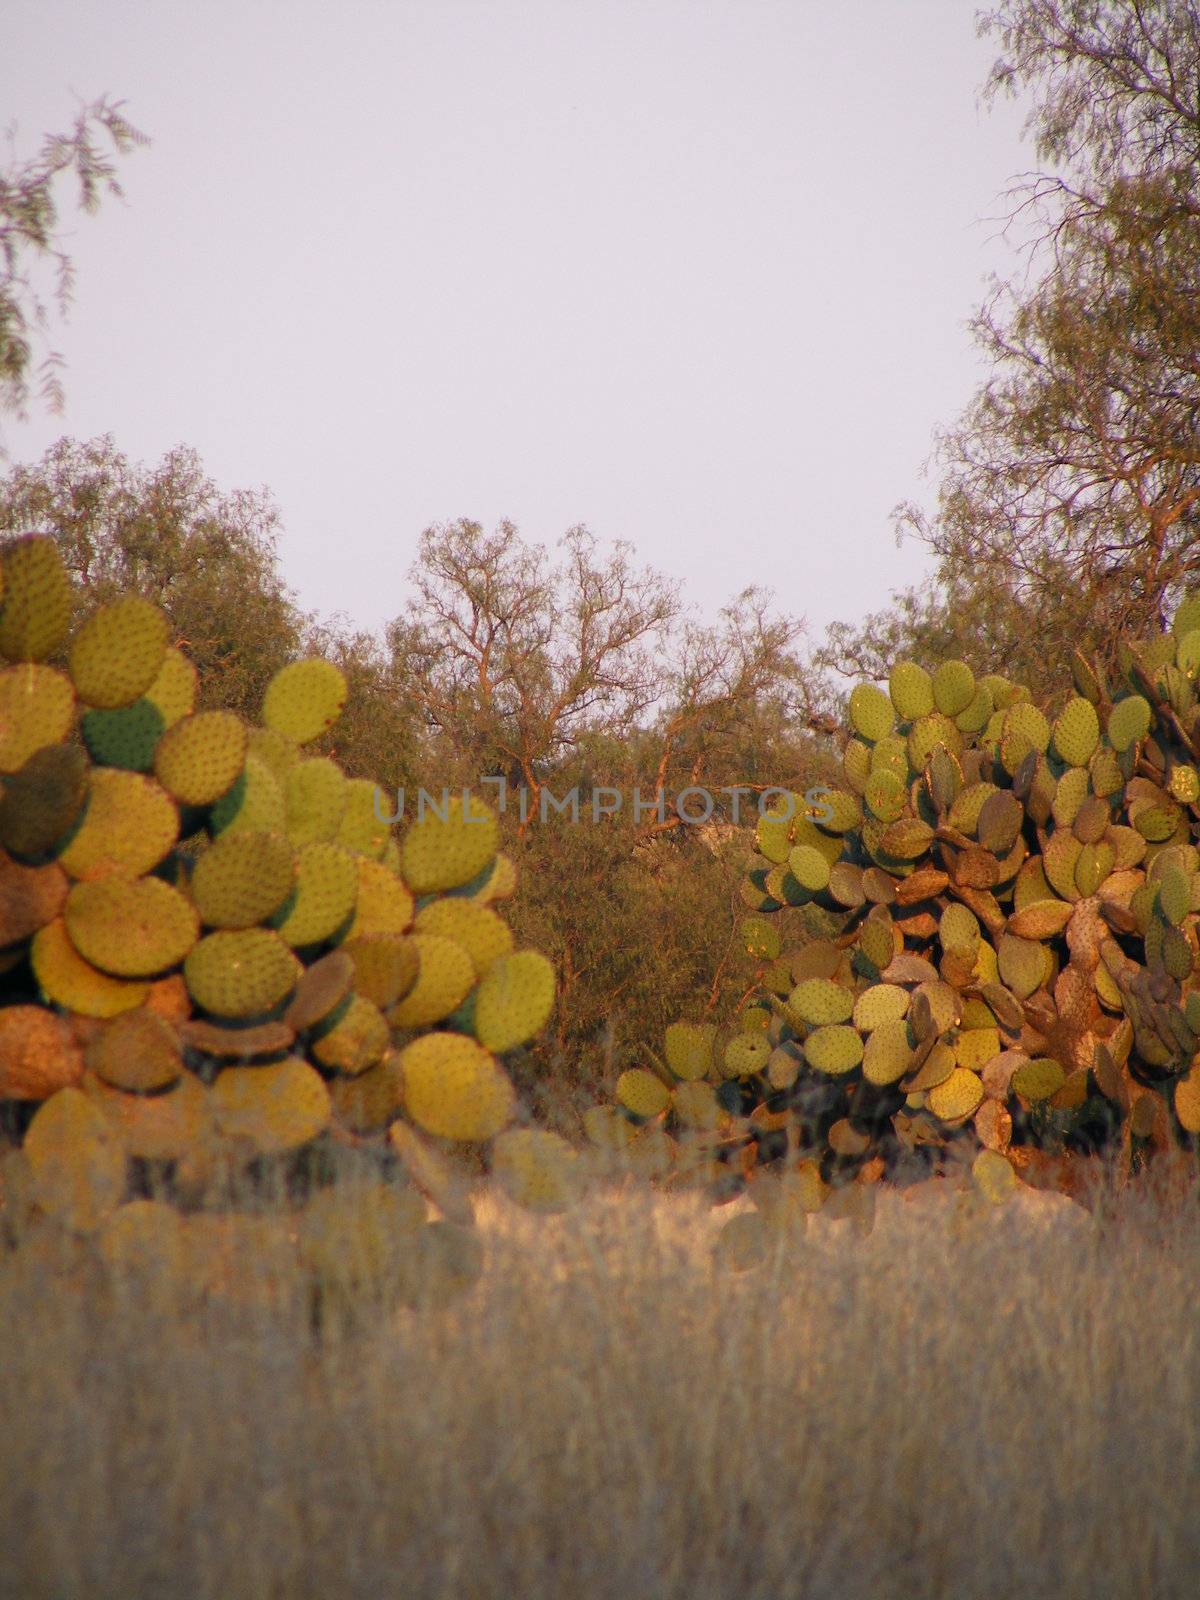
[694, 274]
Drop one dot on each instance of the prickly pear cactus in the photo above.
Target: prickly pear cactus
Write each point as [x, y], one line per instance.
[1017, 967]
[214, 955]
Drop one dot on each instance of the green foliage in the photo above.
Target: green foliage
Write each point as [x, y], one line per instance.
[30, 234]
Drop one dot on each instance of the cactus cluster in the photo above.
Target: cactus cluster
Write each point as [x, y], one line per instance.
[214, 955]
[1017, 967]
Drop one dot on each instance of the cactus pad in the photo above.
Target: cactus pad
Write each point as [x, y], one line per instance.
[243, 878]
[514, 1001]
[242, 973]
[453, 1088]
[117, 654]
[440, 853]
[304, 699]
[35, 609]
[131, 928]
[137, 1051]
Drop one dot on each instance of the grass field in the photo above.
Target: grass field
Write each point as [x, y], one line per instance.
[1006, 1407]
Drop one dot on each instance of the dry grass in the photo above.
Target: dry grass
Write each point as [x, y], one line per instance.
[1010, 1409]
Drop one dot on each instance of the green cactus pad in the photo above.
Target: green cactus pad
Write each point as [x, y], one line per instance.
[514, 1001]
[117, 654]
[453, 1088]
[200, 758]
[304, 699]
[241, 973]
[36, 609]
[131, 928]
[37, 708]
[126, 738]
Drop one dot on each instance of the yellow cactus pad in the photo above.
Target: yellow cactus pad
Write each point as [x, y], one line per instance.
[483, 933]
[36, 609]
[326, 890]
[131, 928]
[201, 757]
[37, 708]
[243, 878]
[689, 1049]
[454, 1089]
[360, 829]
[356, 1042]
[642, 1093]
[274, 1109]
[444, 979]
[440, 853]
[538, 1170]
[241, 972]
[515, 1000]
[385, 903]
[173, 692]
[78, 1165]
[154, 1127]
[304, 699]
[386, 966]
[117, 654]
[254, 804]
[67, 980]
[315, 799]
[130, 826]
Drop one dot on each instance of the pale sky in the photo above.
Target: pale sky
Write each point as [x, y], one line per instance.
[694, 274]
